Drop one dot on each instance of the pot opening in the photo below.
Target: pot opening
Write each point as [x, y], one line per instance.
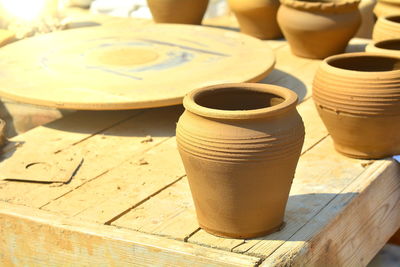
[366, 63]
[237, 99]
[395, 19]
[389, 44]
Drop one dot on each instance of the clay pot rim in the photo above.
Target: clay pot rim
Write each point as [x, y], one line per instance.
[388, 41]
[290, 101]
[388, 18]
[321, 6]
[325, 64]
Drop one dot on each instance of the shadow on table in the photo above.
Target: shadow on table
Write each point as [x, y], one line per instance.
[223, 27]
[282, 78]
[153, 122]
[302, 210]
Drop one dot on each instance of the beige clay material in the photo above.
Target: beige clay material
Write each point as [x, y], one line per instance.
[366, 8]
[318, 29]
[389, 47]
[125, 66]
[240, 144]
[257, 17]
[358, 98]
[178, 11]
[387, 7]
[387, 28]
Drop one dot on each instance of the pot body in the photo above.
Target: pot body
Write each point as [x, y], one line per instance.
[388, 47]
[240, 170]
[257, 17]
[360, 109]
[178, 11]
[387, 7]
[317, 32]
[387, 28]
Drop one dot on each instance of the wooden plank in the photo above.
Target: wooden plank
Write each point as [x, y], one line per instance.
[120, 189]
[36, 238]
[171, 213]
[59, 135]
[352, 228]
[101, 153]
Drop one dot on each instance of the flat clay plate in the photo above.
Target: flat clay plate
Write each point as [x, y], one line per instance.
[123, 66]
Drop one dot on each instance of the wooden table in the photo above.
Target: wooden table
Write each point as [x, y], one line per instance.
[129, 201]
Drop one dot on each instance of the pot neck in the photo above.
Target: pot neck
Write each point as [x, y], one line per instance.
[323, 6]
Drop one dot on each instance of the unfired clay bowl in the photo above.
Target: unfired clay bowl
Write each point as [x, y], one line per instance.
[358, 98]
[387, 7]
[389, 47]
[240, 144]
[387, 28]
[178, 11]
[318, 29]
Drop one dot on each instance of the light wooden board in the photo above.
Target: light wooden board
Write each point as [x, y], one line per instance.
[126, 66]
[36, 238]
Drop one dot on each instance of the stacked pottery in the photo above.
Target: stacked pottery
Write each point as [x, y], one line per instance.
[257, 17]
[178, 11]
[318, 29]
[387, 7]
[387, 28]
[389, 47]
[240, 144]
[358, 98]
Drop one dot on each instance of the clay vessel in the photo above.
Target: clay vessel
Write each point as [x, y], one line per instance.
[257, 17]
[389, 47]
[178, 11]
[240, 144]
[318, 29]
[366, 8]
[358, 98]
[387, 7]
[387, 28]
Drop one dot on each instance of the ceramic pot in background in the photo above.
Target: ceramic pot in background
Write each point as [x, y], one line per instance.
[318, 29]
[366, 8]
[240, 144]
[387, 28]
[389, 47]
[387, 7]
[257, 17]
[178, 11]
[358, 98]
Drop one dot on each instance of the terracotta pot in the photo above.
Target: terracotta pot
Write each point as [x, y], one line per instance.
[387, 7]
[178, 11]
[366, 8]
[387, 28]
[257, 17]
[318, 29]
[240, 144]
[358, 98]
[389, 47]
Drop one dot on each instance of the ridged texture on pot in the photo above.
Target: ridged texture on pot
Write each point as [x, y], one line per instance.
[360, 109]
[387, 28]
[388, 47]
[178, 11]
[318, 29]
[240, 170]
[387, 7]
[257, 17]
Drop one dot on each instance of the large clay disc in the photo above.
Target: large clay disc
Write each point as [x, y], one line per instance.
[123, 66]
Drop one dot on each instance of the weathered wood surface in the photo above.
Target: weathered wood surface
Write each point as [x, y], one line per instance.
[130, 197]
